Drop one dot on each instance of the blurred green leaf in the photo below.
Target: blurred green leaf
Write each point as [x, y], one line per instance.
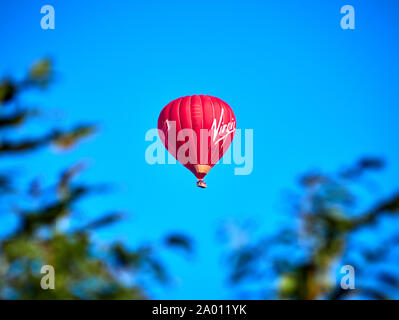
[68, 139]
[179, 241]
[7, 91]
[103, 221]
[41, 72]
[16, 119]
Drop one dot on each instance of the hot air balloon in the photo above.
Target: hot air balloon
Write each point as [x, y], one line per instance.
[197, 130]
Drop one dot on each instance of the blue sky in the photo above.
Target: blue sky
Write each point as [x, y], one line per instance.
[315, 95]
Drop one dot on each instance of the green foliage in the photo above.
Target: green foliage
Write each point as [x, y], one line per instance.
[83, 270]
[305, 253]
[7, 91]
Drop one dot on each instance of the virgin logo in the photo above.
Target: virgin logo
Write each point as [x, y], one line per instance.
[220, 132]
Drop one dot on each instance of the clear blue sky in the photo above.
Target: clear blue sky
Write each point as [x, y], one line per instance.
[315, 95]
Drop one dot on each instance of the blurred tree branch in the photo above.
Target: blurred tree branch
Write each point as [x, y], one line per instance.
[82, 269]
[304, 254]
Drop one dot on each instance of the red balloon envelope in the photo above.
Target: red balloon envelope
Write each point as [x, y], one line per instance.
[197, 130]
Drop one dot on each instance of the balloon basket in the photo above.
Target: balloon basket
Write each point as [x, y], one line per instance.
[201, 183]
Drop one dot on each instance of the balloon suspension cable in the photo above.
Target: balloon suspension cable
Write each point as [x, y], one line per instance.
[201, 183]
